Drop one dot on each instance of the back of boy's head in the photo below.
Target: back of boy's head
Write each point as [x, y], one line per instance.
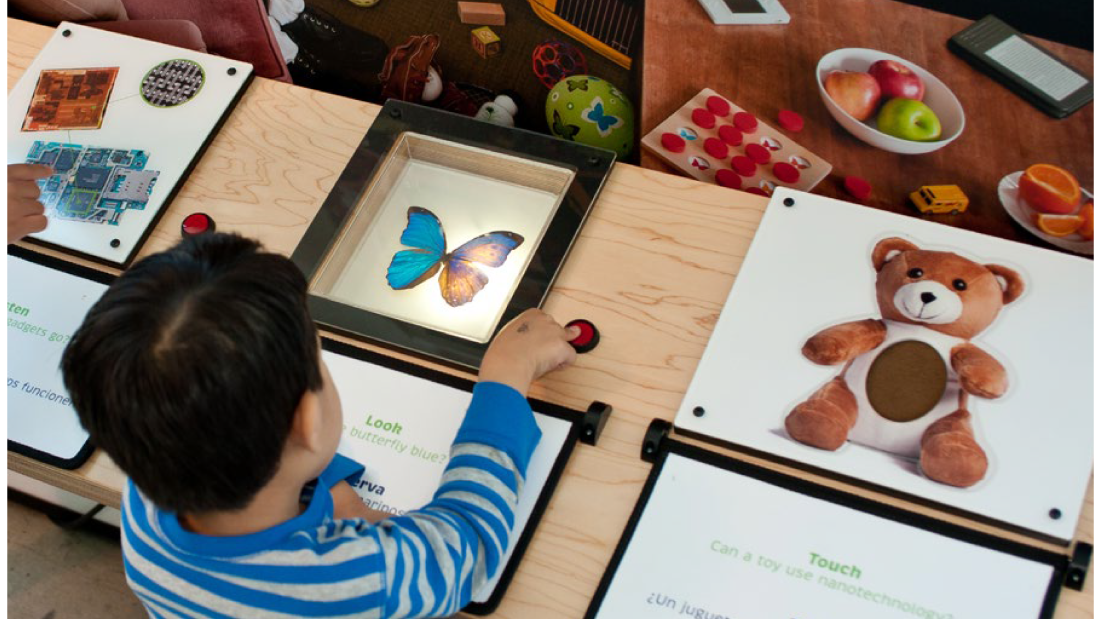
[189, 369]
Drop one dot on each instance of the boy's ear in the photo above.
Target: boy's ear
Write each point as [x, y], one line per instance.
[306, 429]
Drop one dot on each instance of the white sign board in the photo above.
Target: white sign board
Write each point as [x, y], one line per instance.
[45, 308]
[170, 133]
[939, 290]
[714, 544]
[400, 427]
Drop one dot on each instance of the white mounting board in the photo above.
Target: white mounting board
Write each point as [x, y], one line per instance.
[429, 415]
[809, 267]
[171, 136]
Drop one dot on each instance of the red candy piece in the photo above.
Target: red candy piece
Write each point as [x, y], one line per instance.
[758, 191]
[716, 148]
[702, 118]
[727, 178]
[786, 172]
[673, 143]
[858, 187]
[758, 153]
[745, 122]
[718, 105]
[790, 121]
[730, 135]
[743, 165]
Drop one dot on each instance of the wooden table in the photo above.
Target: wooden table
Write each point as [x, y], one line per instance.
[768, 68]
[653, 266]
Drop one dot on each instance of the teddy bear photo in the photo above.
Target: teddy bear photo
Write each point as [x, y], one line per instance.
[906, 378]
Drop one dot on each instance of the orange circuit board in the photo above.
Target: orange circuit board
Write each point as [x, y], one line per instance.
[70, 99]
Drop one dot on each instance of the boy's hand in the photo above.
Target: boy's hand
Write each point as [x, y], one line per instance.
[528, 347]
[347, 504]
[25, 213]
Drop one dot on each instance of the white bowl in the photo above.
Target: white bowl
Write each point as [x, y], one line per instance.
[936, 95]
[1009, 191]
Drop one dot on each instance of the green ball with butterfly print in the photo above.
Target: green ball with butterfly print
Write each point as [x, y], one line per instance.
[590, 110]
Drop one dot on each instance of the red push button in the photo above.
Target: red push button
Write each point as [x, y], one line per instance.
[196, 224]
[589, 337]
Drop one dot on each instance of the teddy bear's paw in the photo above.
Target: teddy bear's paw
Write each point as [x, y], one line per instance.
[818, 423]
[837, 393]
[825, 350]
[953, 458]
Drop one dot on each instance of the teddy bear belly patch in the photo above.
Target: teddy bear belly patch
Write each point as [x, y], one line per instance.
[901, 388]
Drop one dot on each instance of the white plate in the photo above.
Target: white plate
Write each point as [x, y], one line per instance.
[1009, 191]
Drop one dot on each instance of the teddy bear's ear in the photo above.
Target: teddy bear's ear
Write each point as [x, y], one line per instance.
[1011, 282]
[888, 249]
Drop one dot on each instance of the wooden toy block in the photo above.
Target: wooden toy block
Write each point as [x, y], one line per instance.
[713, 140]
[486, 42]
[481, 13]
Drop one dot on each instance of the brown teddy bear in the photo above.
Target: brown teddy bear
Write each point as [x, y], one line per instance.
[906, 377]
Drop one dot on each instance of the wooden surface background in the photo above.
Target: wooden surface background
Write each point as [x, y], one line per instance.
[765, 69]
[652, 268]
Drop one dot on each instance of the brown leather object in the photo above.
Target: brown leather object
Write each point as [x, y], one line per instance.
[405, 72]
[53, 11]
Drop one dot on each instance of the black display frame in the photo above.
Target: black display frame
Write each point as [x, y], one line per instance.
[539, 406]
[668, 446]
[81, 456]
[590, 166]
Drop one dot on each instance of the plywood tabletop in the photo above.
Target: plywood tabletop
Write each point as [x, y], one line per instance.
[765, 69]
[652, 268]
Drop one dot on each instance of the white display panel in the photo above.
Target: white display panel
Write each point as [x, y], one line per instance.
[714, 544]
[400, 427]
[810, 267]
[170, 136]
[45, 308]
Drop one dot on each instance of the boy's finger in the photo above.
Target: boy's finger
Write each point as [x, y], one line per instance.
[28, 171]
[572, 333]
[24, 189]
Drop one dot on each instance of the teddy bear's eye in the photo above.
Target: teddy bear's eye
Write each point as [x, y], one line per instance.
[916, 273]
[959, 284]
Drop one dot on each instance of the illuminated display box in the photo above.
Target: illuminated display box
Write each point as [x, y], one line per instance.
[443, 228]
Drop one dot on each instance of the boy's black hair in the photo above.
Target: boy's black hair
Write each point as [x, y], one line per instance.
[189, 369]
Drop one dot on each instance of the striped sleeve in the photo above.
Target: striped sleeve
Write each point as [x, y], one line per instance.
[437, 557]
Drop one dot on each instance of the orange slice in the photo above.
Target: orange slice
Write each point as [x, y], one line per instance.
[1086, 228]
[1059, 225]
[1050, 189]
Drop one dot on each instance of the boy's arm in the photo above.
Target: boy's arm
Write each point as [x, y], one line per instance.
[435, 558]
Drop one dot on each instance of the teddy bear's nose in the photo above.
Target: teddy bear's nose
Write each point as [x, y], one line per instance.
[927, 297]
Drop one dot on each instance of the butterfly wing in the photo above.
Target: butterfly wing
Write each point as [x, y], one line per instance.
[424, 233]
[461, 279]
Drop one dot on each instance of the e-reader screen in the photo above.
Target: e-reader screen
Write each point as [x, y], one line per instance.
[1046, 74]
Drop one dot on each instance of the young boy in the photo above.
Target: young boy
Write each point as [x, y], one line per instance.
[199, 373]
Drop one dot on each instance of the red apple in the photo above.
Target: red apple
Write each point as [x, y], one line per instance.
[856, 93]
[897, 80]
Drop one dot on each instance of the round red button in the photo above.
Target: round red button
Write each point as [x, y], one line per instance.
[716, 148]
[730, 135]
[196, 224]
[786, 172]
[702, 118]
[743, 165]
[791, 121]
[673, 143]
[588, 338]
[718, 105]
[758, 153]
[745, 122]
[727, 178]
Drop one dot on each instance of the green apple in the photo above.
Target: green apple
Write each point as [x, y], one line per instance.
[909, 119]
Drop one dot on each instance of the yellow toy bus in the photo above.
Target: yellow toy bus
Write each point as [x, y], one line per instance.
[940, 199]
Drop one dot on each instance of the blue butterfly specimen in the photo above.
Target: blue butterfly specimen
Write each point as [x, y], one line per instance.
[461, 279]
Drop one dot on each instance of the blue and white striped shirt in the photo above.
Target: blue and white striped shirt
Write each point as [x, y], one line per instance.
[427, 562]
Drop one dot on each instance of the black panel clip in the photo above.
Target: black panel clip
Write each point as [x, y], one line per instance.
[655, 435]
[595, 418]
[1078, 567]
